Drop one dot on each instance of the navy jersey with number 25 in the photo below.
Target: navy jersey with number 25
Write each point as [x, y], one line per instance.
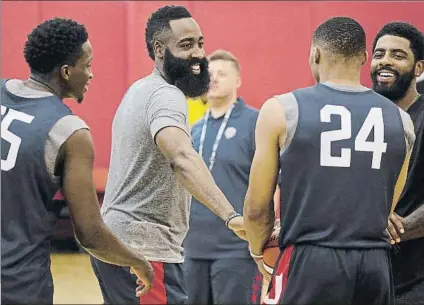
[27, 212]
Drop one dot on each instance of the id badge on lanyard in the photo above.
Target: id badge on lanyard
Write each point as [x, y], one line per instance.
[218, 136]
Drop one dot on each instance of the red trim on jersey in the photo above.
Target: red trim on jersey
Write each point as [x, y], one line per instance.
[280, 278]
[158, 293]
[255, 293]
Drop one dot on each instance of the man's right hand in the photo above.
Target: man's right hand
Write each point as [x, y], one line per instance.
[237, 225]
[395, 228]
[145, 277]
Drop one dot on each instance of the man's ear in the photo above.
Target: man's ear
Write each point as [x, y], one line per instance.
[365, 58]
[65, 72]
[419, 68]
[316, 53]
[238, 82]
[159, 49]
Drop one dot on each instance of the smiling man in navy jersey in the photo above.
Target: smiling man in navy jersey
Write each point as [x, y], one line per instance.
[44, 147]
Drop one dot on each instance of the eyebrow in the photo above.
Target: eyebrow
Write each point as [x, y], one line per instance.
[391, 50]
[189, 39]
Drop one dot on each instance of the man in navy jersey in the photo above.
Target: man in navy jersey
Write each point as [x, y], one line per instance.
[343, 151]
[45, 147]
[398, 60]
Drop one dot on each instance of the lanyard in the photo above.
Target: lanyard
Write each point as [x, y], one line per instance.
[218, 136]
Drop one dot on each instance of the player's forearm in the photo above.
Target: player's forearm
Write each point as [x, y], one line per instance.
[105, 246]
[192, 172]
[414, 225]
[259, 223]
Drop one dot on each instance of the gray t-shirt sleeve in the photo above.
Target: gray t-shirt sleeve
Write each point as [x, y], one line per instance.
[167, 107]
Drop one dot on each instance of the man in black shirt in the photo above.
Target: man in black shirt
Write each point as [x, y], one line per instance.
[397, 62]
[420, 84]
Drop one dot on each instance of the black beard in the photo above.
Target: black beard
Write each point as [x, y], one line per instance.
[180, 74]
[398, 89]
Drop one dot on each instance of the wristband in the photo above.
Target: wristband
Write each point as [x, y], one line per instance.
[234, 215]
[255, 256]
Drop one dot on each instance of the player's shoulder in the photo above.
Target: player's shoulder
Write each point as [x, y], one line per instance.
[287, 101]
[303, 91]
[294, 95]
[70, 134]
[273, 110]
[154, 87]
[161, 88]
[152, 81]
[67, 126]
[71, 121]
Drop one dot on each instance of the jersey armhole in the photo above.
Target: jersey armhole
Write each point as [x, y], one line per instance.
[408, 127]
[291, 112]
[58, 135]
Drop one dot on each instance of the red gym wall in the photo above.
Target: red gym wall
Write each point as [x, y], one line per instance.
[271, 40]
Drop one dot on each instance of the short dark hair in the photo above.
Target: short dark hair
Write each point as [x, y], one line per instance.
[407, 31]
[53, 43]
[225, 55]
[159, 23]
[341, 36]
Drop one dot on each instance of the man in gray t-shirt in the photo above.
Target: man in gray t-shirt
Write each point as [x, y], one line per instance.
[154, 168]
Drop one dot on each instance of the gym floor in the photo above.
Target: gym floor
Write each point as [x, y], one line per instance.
[74, 280]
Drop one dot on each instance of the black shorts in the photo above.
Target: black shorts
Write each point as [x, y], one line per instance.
[223, 281]
[118, 285]
[312, 275]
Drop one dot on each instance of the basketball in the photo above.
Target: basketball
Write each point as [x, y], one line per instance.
[271, 250]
